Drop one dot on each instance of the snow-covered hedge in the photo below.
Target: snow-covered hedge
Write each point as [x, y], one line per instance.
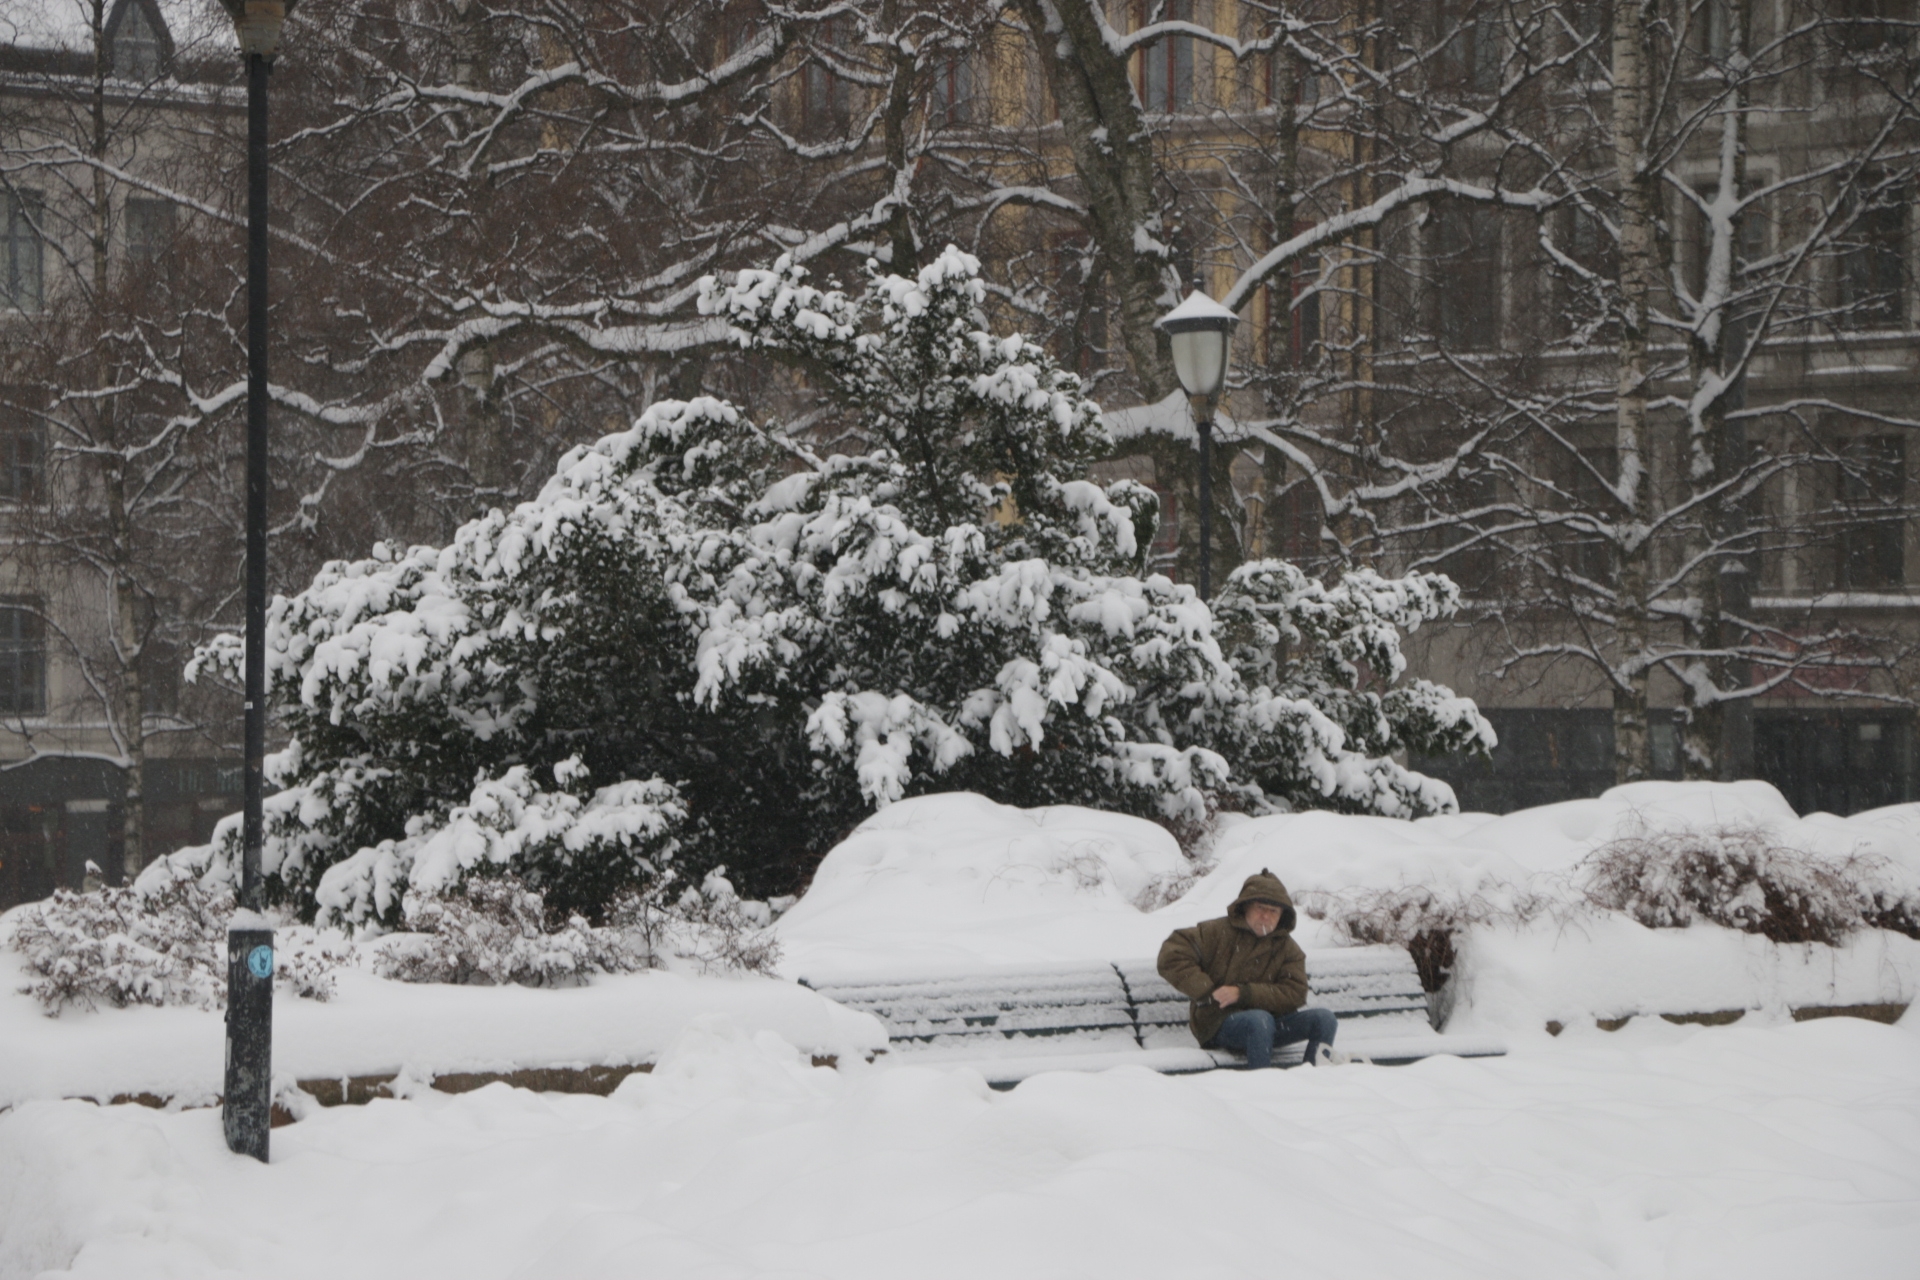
[163, 942]
[498, 931]
[755, 644]
[1745, 877]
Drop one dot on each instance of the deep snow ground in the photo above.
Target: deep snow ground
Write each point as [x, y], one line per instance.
[1752, 1151]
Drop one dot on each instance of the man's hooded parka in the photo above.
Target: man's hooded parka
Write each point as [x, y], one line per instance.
[1271, 972]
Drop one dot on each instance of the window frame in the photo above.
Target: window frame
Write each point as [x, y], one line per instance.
[1872, 275]
[21, 238]
[1162, 64]
[1486, 256]
[148, 247]
[23, 658]
[33, 436]
[1868, 520]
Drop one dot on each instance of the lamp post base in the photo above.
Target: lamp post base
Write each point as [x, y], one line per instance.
[247, 1108]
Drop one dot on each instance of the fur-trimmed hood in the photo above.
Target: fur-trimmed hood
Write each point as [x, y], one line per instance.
[1264, 886]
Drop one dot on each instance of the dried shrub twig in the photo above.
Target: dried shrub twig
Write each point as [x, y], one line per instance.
[1744, 878]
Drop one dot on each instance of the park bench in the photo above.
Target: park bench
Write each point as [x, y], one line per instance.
[1013, 1022]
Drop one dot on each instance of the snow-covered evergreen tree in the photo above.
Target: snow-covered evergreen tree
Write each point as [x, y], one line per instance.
[759, 644]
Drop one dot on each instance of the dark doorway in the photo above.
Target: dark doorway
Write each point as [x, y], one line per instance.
[1835, 761]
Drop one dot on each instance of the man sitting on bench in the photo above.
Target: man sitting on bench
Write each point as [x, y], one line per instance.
[1246, 978]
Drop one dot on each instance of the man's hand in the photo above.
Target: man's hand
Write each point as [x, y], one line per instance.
[1225, 996]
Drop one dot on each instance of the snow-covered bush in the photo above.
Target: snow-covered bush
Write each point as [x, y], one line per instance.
[577, 848]
[1743, 877]
[762, 643]
[708, 927]
[492, 932]
[163, 943]
[577, 845]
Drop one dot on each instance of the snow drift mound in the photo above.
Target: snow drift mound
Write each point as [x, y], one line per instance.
[952, 883]
[1535, 847]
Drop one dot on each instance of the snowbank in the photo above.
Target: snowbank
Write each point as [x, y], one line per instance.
[1748, 1153]
[955, 882]
[1479, 851]
[951, 882]
[1520, 979]
[373, 1026]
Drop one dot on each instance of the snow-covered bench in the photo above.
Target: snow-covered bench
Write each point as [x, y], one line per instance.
[1011, 1023]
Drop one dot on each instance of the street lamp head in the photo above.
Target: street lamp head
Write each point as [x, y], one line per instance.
[259, 23]
[1200, 332]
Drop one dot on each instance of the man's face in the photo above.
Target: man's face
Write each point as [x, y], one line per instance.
[1263, 918]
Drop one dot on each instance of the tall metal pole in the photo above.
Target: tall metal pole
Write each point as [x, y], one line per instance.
[1203, 423]
[248, 1101]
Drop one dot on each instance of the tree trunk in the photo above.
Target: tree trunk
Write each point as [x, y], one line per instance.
[126, 639]
[1714, 455]
[1112, 152]
[904, 255]
[1632, 31]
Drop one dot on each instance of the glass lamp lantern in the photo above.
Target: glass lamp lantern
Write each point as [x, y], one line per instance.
[258, 23]
[1200, 333]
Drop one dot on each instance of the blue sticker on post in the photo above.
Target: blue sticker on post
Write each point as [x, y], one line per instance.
[260, 962]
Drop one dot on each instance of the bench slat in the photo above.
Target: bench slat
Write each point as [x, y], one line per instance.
[1059, 1012]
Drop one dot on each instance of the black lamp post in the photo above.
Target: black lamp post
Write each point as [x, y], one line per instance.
[248, 1099]
[1200, 331]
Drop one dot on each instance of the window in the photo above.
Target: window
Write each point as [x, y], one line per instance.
[24, 283]
[1164, 551]
[1873, 28]
[23, 660]
[1585, 486]
[1294, 520]
[1166, 68]
[1593, 27]
[1470, 52]
[134, 43]
[1465, 276]
[1718, 37]
[1835, 761]
[1306, 81]
[23, 454]
[149, 228]
[953, 94]
[826, 98]
[1464, 516]
[1869, 552]
[160, 657]
[1750, 240]
[1591, 243]
[1295, 308]
[1873, 262]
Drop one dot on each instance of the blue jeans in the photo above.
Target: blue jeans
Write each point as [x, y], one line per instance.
[1255, 1032]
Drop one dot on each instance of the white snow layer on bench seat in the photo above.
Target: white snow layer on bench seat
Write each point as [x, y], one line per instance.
[1015, 1021]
